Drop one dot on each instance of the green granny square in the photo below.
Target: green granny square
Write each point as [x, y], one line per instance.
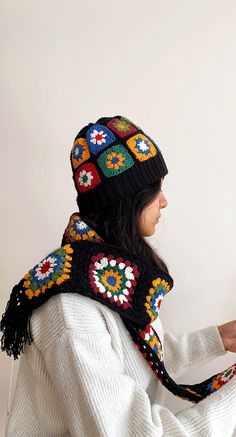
[115, 160]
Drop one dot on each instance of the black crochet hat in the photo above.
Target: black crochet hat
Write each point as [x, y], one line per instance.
[111, 159]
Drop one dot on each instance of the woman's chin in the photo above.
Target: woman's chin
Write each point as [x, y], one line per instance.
[149, 232]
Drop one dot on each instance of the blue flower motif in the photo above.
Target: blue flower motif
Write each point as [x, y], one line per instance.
[210, 388]
[80, 227]
[142, 146]
[156, 301]
[78, 151]
[99, 137]
[46, 268]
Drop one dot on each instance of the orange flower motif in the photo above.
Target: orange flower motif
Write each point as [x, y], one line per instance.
[77, 229]
[115, 160]
[116, 276]
[80, 152]
[154, 298]
[54, 269]
[142, 147]
[217, 383]
[122, 125]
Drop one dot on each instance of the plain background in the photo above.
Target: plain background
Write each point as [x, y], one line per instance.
[168, 66]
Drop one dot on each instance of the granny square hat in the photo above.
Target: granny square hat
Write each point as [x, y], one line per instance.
[112, 159]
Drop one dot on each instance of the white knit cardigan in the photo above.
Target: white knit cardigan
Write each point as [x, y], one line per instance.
[83, 377]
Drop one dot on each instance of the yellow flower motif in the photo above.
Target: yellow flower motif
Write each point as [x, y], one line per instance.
[80, 152]
[30, 284]
[154, 342]
[80, 235]
[116, 275]
[120, 125]
[77, 236]
[159, 281]
[119, 163]
[216, 384]
[157, 284]
[142, 147]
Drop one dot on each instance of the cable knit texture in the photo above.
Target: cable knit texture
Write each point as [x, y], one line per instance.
[83, 376]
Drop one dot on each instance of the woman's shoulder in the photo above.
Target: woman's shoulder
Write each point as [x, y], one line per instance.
[69, 311]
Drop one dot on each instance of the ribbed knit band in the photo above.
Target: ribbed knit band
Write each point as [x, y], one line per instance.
[112, 159]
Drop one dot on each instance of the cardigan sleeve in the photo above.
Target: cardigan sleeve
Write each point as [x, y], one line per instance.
[97, 398]
[190, 351]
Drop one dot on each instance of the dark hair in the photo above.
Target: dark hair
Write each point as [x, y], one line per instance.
[120, 224]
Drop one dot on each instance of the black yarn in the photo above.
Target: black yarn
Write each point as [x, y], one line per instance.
[15, 323]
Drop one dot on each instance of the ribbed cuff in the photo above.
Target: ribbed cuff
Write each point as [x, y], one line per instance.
[212, 339]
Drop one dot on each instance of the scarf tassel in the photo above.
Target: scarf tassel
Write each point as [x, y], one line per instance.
[15, 323]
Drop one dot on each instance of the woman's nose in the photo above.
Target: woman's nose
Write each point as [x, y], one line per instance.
[163, 201]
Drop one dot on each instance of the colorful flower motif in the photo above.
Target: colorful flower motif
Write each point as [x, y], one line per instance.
[114, 278]
[46, 267]
[77, 229]
[86, 177]
[121, 126]
[228, 373]
[156, 293]
[221, 379]
[131, 122]
[115, 160]
[150, 336]
[80, 152]
[99, 137]
[54, 269]
[142, 147]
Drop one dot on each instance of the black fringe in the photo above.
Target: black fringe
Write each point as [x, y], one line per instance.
[15, 323]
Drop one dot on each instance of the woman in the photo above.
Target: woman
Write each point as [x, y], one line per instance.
[95, 356]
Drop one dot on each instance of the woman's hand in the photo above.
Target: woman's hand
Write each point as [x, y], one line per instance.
[228, 335]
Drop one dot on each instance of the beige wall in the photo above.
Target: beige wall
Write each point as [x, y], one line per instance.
[171, 67]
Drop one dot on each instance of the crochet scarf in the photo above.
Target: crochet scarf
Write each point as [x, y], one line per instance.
[126, 283]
